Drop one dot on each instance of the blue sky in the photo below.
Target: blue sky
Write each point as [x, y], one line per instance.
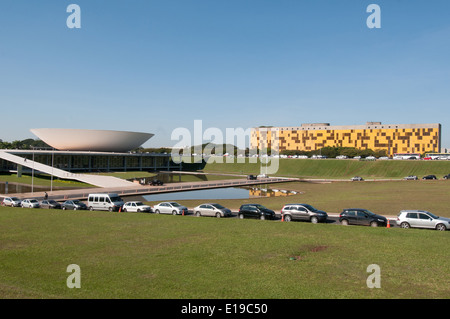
[154, 66]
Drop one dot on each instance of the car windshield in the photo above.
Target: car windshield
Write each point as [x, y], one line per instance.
[368, 212]
[175, 204]
[76, 201]
[309, 207]
[52, 202]
[33, 201]
[259, 206]
[14, 198]
[432, 215]
[218, 206]
[139, 204]
[116, 199]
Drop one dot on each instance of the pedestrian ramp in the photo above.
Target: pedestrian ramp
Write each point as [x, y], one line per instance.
[96, 180]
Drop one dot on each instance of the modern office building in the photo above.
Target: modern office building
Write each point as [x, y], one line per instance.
[393, 138]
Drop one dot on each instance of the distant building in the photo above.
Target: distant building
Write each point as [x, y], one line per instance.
[393, 138]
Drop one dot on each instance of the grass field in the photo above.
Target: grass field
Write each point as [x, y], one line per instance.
[130, 255]
[332, 168]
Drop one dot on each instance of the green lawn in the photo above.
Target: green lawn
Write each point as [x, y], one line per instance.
[130, 255]
[339, 169]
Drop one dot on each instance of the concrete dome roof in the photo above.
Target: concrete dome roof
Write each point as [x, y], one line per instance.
[91, 140]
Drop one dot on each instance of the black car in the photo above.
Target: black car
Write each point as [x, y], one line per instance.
[429, 177]
[251, 177]
[255, 211]
[360, 216]
[73, 204]
[50, 203]
[156, 182]
[447, 176]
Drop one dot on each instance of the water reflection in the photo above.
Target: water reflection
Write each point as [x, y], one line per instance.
[11, 188]
[220, 193]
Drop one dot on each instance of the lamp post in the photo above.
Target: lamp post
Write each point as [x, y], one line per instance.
[32, 175]
[51, 176]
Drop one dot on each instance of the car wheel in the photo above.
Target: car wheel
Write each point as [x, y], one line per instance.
[262, 217]
[137, 210]
[314, 220]
[64, 207]
[440, 227]
[373, 224]
[287, 218]
[241, 216]
[218, 215]
[198, 214]
[91, 208]
[124, 210]
[344, 222]
[74, 208]
[157, 211]
[405, 225]
[174, 212]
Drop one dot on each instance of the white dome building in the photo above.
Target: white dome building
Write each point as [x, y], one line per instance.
[91, 140]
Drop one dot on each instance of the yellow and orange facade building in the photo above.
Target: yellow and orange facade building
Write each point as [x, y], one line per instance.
[393, 138]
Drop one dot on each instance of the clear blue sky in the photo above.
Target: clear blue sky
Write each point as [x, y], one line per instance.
[153, 66]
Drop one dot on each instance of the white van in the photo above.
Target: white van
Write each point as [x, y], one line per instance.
[104, 201]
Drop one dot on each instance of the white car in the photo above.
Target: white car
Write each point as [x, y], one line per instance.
[170, 208]
[30, 203]
[136, 207]
[422, 219]
[11, 201]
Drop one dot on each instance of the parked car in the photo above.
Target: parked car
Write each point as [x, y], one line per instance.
[360, 216]
[357, 178]
[156, 182]
[422, 219]
[251, 177]
[411, 178]
[74, 205]
[216, 210]
[50, 203]
[170, 208]
[136, 207]
[255, 211]
[429, 177]
[11, 201]
[447, 176]
[303, 212]
[30, 203]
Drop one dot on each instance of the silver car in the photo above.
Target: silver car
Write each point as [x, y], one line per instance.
[30, 203]
[11, 201]
[422, 219]
[170, 208]
[303, 212]
[215, 210]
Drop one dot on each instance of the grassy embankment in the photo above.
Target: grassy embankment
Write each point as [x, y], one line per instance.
[132, 255]
[338, 169]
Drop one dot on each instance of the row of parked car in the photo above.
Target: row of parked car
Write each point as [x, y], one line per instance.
[414, 177]
[289, 212]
